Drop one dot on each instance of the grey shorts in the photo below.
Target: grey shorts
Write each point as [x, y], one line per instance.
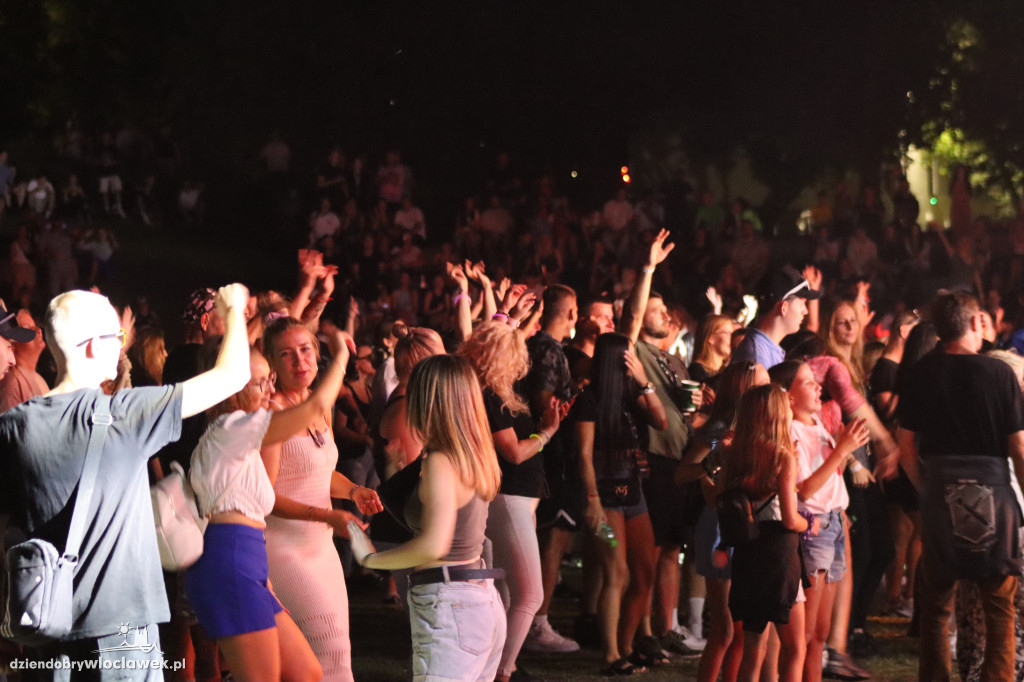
[826, 551]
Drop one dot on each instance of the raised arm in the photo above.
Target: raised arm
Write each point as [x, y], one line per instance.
[633, 314]
[231, 372]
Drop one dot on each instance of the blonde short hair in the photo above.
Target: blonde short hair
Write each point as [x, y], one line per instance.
[499, 356]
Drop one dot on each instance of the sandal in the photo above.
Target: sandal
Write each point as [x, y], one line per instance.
[651, 660]
[648, 652]
[622, 667]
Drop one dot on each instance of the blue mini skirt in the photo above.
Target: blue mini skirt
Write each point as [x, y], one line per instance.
[228, 585]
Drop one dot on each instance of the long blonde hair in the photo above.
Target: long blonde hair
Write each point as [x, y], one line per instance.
[706, 355]
[854, 361]
[445, 409]
[499, 356]
[762, 441]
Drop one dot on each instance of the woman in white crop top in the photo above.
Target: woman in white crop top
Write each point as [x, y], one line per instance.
[229, 585]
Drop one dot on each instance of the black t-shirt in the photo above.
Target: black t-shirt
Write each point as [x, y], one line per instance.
[961, 405]
[43, 444]
[526, 479]
[181, 365]
[883, 376]
[882, 380]
[610, 449]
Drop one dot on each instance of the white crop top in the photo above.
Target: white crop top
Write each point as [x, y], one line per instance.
[227, 465]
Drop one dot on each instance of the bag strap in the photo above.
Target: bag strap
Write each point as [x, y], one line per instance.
[764, 505]
[101, 419]
[216, 501]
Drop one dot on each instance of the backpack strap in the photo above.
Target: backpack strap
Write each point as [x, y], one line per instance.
[100, 420]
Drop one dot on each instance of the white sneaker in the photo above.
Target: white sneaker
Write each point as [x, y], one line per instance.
[542, 638]
[684, 639]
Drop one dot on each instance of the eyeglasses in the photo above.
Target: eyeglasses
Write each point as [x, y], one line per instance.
[264, 385]
[121, 335]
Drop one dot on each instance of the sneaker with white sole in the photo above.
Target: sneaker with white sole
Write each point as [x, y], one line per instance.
[542, 638]
[680, 644]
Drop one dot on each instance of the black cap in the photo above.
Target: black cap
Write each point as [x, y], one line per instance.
[9, 328]
[778, 285]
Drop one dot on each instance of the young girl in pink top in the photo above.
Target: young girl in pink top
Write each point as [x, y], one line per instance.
[821, 493]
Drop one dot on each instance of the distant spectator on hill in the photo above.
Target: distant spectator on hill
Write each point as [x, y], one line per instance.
[410, 219]
[42, 197]
[393, 178]
[324, 222]
[110, 184]
[276, 155]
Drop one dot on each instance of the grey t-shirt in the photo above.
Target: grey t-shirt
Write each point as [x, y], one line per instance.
[42, 452]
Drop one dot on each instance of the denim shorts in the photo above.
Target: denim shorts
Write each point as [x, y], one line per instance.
[228, 585]
[633, 510]
[826, 551]
[706, 539]
[458, 630]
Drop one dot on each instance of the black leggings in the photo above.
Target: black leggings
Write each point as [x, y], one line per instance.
[871, 545]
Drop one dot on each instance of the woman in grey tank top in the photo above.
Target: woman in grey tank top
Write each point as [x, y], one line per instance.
[457, 619]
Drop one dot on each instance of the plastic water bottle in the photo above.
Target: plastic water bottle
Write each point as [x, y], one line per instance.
[606, 534]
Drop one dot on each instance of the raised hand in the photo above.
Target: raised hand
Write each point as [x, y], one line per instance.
[715, 299]
[523, 306]
[231, 297]
[511, 298]
[659, 249]
[813, 277]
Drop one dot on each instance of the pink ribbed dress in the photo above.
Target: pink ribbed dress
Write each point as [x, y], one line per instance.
[305, 570]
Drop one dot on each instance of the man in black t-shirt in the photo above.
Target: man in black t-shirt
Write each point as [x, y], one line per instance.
[558, 514]
[961, 415]
[43, 444]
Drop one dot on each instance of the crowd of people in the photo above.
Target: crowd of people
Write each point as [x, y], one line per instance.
[462, 414]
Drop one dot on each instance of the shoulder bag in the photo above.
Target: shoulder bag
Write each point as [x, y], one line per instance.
[39, 579]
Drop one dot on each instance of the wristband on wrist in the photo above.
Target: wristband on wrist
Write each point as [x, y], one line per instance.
[595, 496]
[499, 316]
[648, 269]
[647, 389]
[514, 323]
[855, 466]
[458, 298]
[543, 441]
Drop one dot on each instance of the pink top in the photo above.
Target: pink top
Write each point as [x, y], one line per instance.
[813, 446]
[837, 386]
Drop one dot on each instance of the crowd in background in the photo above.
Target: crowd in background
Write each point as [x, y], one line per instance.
[583, 325]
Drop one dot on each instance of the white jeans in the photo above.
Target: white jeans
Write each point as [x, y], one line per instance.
[458, 629]
[512, 529]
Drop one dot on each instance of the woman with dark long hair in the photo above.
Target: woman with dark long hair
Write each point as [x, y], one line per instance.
[612, 415]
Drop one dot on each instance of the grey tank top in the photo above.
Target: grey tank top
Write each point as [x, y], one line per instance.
[470, 524]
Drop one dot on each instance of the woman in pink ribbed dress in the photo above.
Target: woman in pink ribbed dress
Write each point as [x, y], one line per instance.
[304, 566]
